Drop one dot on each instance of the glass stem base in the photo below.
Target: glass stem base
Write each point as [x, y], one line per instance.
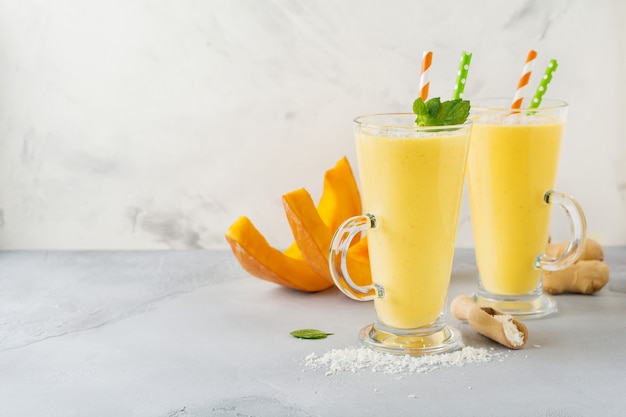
[411, 342]
[525, 307]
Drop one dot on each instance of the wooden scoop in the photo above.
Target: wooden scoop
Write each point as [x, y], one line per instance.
[505, 330]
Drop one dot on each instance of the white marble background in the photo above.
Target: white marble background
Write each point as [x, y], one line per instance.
[155, 124]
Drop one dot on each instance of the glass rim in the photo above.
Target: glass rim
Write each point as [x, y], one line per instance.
[362, 122]
[546, 104]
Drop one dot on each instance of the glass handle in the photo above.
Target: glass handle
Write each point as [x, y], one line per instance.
[337, 258]
[578, 233]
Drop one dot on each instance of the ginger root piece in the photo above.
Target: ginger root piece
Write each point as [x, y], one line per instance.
[587, 276]
[584, 277]
[592, 250]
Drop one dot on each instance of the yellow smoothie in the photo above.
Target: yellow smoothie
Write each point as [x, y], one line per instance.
[413, 186]
[510, 168]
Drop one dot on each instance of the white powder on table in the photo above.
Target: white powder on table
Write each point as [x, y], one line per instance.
[511, 332]
[364, 358]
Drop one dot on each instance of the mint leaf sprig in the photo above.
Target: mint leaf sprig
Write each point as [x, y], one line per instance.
[435, 113]
[310, 334]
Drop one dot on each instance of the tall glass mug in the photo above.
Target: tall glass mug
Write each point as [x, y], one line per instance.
[411, 184]
[512, 168]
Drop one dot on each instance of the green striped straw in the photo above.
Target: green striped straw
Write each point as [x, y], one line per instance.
[462, 76]
[543, 84]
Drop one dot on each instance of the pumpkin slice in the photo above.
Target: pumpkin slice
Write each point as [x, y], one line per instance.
[312, 235]
[340, 199]
[359, 263]
[263, 261]
[313, 238]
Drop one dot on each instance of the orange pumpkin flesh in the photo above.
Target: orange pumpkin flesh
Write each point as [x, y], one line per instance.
[313, 238]
[312, 235]
[257, 257]
[340, 200]
[359, 263]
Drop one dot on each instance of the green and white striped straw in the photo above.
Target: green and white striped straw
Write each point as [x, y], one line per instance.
[543, 84]
[461, 78]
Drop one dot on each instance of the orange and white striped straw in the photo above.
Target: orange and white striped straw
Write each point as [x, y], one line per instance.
[523, 81]
[427, 60]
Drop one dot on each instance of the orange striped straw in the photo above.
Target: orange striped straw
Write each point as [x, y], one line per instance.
[427, 60]
[523, 81]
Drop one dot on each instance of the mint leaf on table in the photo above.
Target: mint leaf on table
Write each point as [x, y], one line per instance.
[435, 113]
[310, 334]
